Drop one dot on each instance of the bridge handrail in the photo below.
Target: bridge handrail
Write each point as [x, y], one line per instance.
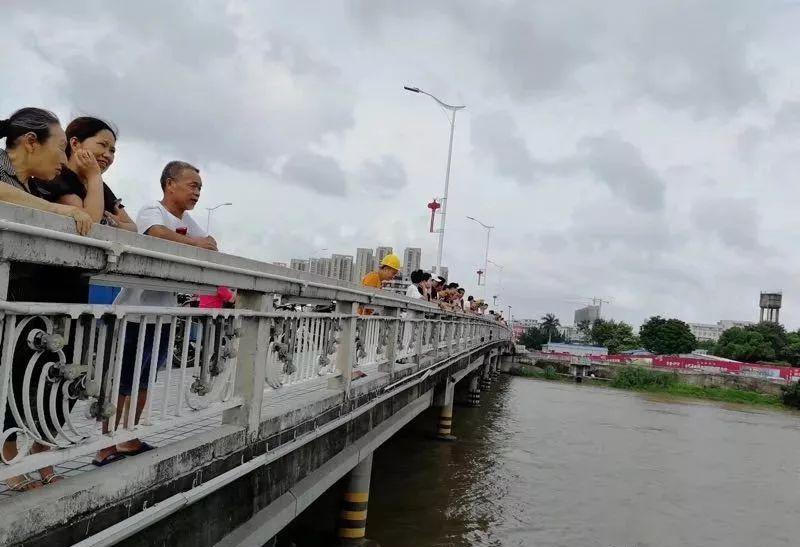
[218, 361]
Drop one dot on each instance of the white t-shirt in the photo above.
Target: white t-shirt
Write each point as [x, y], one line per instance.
[155, 214]
[413, 292]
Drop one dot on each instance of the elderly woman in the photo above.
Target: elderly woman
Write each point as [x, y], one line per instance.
[35, 145]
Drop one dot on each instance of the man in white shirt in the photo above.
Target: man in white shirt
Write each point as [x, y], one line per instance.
[166, 219]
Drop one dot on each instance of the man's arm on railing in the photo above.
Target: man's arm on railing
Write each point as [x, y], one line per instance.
[9, 194]
[162, 232]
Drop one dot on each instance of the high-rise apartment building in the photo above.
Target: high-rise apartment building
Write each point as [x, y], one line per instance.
[300, 264]
[380, 254]
[320, 266]
[587, 313]
[341, 267]
[365, 263]
[412, 257]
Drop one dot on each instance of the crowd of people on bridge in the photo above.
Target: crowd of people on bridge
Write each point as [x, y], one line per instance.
[45, 167]
[429, 287]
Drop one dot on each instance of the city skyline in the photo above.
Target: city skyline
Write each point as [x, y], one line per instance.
[347, 267]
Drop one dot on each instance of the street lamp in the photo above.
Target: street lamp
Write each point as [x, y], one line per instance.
[211, 209]
[486, 258]
[452, 118]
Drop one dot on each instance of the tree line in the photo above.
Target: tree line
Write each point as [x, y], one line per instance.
[761, 342]
[657, 335]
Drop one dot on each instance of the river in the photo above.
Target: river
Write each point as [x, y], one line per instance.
[546, 464]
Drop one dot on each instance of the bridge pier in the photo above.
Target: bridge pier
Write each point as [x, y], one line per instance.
[353, 517]
[445, 402]
[486, 376]
[474, 398]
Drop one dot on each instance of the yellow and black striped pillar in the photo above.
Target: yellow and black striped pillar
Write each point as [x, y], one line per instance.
[446, 423]
[353, 516]
[474, 398]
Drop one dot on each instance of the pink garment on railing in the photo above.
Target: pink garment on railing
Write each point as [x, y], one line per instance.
[223, 296]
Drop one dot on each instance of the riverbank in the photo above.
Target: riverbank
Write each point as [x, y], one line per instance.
[661, 383]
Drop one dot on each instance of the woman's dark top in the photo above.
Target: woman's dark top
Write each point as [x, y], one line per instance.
[67, 183]
[40, 282]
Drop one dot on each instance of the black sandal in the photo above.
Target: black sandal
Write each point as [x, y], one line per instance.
[143, 447]
[111, 458]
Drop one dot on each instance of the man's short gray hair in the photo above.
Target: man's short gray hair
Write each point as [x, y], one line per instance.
[173, 169]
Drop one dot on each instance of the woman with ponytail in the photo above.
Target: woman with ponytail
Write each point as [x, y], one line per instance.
[35, 145]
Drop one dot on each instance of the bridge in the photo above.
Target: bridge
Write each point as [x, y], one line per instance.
[258, 411]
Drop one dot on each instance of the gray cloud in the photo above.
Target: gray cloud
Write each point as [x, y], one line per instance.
[734, 221]
[639, 106]
[315, 172]
[619, 164]
[198, 83]
[694, 55]
[496, 137]
[385, 176]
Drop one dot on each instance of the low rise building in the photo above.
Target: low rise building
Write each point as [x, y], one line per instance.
[707, 332]
[574, 349]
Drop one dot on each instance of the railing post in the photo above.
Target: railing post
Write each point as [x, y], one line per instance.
[419, 327]
[346, 352]
[251, 363]
[5, 276]
[391, 346]
[449, 334]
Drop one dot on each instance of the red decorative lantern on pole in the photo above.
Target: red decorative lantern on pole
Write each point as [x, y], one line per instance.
[433, 206]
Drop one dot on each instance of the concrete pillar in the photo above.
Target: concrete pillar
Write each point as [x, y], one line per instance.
[486, 376]
[474, 391]
[353, 517]
[496, 366]
[445, 402]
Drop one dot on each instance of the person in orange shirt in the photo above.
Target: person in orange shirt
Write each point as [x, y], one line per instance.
[390, 265]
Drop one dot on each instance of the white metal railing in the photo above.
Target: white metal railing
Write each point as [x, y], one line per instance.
[65, 368]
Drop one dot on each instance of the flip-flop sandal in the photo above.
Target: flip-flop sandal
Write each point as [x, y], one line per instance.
[51, 478]
[111, 458]
[23, 484]
[143, 447]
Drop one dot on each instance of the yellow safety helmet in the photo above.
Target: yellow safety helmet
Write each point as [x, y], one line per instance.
[392, 261]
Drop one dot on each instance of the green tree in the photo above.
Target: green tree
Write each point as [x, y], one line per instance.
[744, 344]
[549, 325]
[667, 336]
[707, 345]
[534, 338]
[773, 343]
[792, 350]
[585, 328]
[615, 336]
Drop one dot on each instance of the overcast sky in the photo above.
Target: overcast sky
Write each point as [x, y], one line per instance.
[645, 156]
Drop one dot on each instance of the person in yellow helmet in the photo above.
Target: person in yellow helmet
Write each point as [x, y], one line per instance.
[390, 266]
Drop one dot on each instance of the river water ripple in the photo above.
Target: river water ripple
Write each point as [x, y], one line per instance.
[546, 464]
